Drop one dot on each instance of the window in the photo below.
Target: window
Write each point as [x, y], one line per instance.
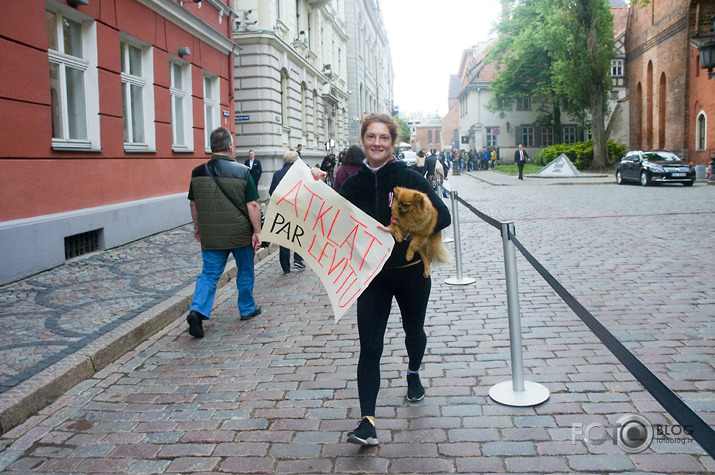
[303, 107]
[212, 108]
[436, 136]
[491, 138]
[527, 136]
[137, 96]
[429, 135]
[73, 81]
[182, 138]
[284, 98]
[316, 129]
[523, 104]
[569, 134]
[701, 128]
[547, 136]
[617, 68]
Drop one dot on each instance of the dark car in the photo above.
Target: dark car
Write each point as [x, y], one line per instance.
[654, 167]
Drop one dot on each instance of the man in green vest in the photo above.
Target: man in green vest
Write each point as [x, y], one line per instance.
[227, 220]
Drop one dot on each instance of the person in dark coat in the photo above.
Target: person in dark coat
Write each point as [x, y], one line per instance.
[283, 252]
[352, 161]
[254, 165]
[520, 157]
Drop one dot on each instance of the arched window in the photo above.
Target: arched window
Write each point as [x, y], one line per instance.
[303, 107]
[639, 117]
[701, 128]
[661, 112]
[316, 128]
[649, 107]
[284, 97]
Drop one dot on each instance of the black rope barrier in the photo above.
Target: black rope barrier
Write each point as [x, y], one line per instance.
[697, 428]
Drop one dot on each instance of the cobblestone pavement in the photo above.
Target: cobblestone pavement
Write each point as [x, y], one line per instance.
[278, 394]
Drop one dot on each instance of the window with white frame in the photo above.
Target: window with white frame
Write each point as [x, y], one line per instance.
[701, 127]
[617, 68]
[182, 137]
[547, 136]
[137, 95]
[569, 134]
[212, 107]
[316, 128]
[527, 136]
[523, 103]
[491, 138]
[74, 81]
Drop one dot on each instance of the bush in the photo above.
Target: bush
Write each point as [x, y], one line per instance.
[580, 153]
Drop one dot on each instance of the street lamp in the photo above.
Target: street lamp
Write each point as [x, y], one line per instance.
[707, 54]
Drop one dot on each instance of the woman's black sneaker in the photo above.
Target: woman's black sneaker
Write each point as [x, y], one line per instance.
[415, 391]
[365, 434]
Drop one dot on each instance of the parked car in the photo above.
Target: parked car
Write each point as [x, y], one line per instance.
[654, 167]
[408, 157]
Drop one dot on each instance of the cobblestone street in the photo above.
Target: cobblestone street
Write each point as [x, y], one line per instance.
[277, 394]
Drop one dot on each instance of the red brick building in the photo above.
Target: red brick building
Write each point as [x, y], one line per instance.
[671, 98]
[106, 106]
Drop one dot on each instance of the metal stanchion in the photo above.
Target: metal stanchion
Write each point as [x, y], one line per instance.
[459, 280]
[516, 392]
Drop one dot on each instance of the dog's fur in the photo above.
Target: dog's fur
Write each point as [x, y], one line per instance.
[416, 216]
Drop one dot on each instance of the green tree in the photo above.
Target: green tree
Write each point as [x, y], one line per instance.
[404, 135]
[558, 52]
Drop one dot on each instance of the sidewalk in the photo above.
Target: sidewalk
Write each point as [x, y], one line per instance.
[277, 393]
[496, 178]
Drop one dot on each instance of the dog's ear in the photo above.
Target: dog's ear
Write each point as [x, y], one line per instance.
[397, 190]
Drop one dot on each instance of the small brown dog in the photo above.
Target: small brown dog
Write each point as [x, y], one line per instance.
[416, 217]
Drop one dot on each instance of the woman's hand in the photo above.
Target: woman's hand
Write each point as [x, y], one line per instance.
[318, 174]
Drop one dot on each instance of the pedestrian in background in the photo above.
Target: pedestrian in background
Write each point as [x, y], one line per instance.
[299, 150]
[371, 190]
[352, 161]
[493, 158]
[328, 166]
[420, 162]
[520, 157]
[254, 165]
[227, 220]
[289, 159]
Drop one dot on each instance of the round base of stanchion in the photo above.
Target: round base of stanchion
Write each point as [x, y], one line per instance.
[533, 394]
[462, 281]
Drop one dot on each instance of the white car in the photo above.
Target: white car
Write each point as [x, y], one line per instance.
[408, 157]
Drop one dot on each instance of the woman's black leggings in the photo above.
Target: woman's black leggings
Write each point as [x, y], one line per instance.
[411, 290]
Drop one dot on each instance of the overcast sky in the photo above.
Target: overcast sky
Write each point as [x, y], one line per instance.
[427, 38]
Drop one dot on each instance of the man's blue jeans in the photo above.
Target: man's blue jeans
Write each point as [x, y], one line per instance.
[214, 264]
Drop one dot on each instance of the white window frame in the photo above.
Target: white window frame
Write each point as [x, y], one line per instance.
[523, 103]
[184, 92]
[491, 139]
[87, 64]
[701, 136]
[146, 82]
[212, 107]
[569, 132]
[617, 68]
[527, 136]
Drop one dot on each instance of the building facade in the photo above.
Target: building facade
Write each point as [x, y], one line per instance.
[426, 134]
[291, 85]
[370, 75]
[108, 105]
[671, 97]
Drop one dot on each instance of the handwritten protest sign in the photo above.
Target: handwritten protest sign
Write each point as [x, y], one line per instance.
[342, 244]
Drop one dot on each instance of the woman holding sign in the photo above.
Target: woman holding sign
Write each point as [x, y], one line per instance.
[370, 189]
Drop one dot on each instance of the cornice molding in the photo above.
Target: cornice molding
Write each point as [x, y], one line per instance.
[176, 14]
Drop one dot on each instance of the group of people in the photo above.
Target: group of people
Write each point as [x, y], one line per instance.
[224, 207]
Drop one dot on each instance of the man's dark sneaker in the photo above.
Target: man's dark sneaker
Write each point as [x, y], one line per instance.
[257, 311]
[299, 264]
[415, 391]
[365, 434]
[196, 328]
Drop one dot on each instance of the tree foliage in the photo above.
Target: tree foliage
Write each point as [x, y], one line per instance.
[404, 135]
[559, 53]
